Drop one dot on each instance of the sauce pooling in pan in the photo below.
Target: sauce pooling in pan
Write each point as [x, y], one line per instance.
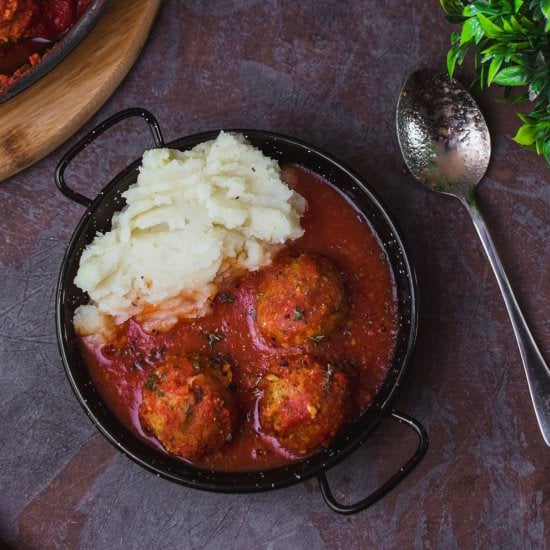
[288, 355]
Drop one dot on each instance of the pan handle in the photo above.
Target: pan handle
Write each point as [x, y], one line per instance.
[421, 449]
[91, 136]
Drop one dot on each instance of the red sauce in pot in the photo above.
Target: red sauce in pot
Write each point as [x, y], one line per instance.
[365, 342]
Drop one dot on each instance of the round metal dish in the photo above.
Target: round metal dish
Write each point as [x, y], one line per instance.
[98, 217]
[60, 50]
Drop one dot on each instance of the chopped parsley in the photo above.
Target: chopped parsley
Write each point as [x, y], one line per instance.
[298, 313]
[328, 377]
[156, 355]
[138, 364]
[226, 298]
[151, 382]
[317, 339]
[196, 365]
[213, 337]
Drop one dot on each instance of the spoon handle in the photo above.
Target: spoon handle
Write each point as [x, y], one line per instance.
[536, 370]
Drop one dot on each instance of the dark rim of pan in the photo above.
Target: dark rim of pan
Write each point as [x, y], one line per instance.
[97, 218]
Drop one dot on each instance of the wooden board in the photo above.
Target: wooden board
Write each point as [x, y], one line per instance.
[41, 118]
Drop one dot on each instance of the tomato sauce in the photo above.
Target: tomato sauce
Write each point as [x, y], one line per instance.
[364, 343]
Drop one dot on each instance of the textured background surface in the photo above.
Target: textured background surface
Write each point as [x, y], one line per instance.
[329, 73]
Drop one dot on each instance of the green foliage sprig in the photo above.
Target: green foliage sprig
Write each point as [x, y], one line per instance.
[510, 40]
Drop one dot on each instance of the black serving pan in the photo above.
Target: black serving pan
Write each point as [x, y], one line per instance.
[60, 49]
[98, 218]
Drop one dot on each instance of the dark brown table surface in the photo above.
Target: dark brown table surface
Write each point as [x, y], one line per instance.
[328, 73]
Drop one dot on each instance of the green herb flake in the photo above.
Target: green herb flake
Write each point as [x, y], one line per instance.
[298, 313]
[214, 337]
[196, 365]
[226, 298]
[328, 377]
[151, 383]
[317, 339]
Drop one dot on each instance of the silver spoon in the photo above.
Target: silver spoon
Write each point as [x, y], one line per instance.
[446, 145]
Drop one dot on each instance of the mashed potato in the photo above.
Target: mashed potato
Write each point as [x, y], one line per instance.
[192, 219]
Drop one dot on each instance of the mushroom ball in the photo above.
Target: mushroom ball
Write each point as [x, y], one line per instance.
[303, 404]
[300, 300]
[188, 407]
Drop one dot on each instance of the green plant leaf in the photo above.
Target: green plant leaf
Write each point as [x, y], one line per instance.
[452, 7]
[526, 135]
[471, 30]
[511, 76]
[455, 55]
[528, 25]
[535, 89]
[470, 11]
[516, 25]
[507, 26]
[482, 76]
[510, 43]
[494, 67]
[517, 5]
[453, 10]
[490, 29]
[452, 56]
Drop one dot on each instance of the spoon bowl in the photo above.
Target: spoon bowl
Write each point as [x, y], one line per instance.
[442, 133]
[446, 145]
